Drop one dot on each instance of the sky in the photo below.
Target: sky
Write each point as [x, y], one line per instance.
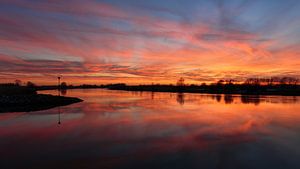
[144, 42]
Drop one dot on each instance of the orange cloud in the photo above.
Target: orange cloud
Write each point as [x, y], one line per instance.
[96, 40]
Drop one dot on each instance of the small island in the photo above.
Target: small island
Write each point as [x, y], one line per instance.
[14, 98]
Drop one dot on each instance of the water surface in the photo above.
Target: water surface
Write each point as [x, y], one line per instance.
[119, 129]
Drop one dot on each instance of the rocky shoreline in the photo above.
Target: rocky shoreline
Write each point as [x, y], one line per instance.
[33, 102]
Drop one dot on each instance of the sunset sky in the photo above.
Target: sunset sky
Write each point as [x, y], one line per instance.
[143, 42]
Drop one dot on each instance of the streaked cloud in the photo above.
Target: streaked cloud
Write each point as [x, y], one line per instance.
[144, 42]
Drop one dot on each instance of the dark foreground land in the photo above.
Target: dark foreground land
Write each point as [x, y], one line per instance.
[23, 99]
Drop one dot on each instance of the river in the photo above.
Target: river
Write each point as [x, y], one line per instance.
[120, 129]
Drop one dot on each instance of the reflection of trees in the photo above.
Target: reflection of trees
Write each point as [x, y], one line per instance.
[246, 99]
[294, 99]
[59, 122]
[63, 85]
[228, 98]
[180, 85]
[218, 97]
[180, 98]
[63, 92]
[180, 82]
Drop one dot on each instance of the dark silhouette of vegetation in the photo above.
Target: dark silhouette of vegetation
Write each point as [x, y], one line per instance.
[16, 89]
[17, 98]
[63, 85]
[180, 85]
[18, 82]
[30, 84]
[252, 86]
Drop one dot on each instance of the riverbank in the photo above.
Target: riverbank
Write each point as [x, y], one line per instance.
[24, 99]
[27, 103]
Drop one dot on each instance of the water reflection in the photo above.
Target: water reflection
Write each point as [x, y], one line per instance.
[228, 98]
[250, 99]
[253, 99]
[117, 129]
[152, 95]
[218, 97]
[63, 92]
[59, 122]
[180, 98]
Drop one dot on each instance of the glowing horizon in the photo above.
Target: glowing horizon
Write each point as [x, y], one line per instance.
[138, 42]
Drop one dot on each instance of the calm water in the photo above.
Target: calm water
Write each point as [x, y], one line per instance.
[118, 129]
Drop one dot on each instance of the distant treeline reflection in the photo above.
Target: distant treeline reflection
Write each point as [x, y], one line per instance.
[185, 98]
[182, 98]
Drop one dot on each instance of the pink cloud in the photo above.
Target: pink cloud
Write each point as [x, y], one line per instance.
[95, 39]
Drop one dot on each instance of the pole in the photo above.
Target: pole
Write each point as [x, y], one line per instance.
[58, 85]
[59, 122]
[59, 89]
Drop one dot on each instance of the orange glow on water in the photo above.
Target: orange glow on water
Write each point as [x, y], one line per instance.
[151, 124]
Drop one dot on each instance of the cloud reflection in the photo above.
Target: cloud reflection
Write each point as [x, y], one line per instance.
[117, 129]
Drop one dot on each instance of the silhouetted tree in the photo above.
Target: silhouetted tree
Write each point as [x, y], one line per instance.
[220, 82]
[63, 85]
[253, 81]
[297, 81]
[229, 81]
[18, 82]
[292, 80]
[180, 85]
[180, 82]
[203, 85]
[270, 81]
[30, 84]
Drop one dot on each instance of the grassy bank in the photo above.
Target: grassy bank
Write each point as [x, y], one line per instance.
[25, 99]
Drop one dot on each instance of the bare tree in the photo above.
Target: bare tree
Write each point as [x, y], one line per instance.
[63, 85]
[18, 82]
[180, 82]
[30, 84]
[253, 81]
